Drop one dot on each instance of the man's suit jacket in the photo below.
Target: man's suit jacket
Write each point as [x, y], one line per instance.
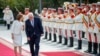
[37, 29]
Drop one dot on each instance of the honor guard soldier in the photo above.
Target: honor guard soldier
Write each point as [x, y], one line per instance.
[51, 20]
[59, 25]
[97, 26]
[86, 28]
[54, 29]
[8, 16]
[79, 27]
[48, 16]
[70, 25]
[92, 25]
[43, 16]
[65, 28]
[83, 33]
[26, 11]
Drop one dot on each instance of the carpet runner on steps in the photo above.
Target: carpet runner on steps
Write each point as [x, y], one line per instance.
[6, 51]
[61, 54]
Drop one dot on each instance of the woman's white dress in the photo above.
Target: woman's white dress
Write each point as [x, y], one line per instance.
[16, 29]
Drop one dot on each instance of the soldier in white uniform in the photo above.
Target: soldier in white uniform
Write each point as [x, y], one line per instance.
[94, 37]
[54, 28]
[79, 27]
[59, 21]
[83, 7]
[43, 17]
[8, 16]
[65, 27]
[86, 28]
[97, 26]
[26, 12]
[70, 24]
[52, 20]
[48, 17]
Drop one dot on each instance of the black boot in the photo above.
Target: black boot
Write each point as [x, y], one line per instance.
[99, 48]
[55, 38]
[95, 48]
[71, 42]
[49, 36]
[65, 41]
[83, 34]
[46, 33]
[79, 45]
[99, 51]
[8, 26]
[60, 39]
[89, 47]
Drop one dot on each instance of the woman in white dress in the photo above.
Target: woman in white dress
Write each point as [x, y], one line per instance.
[16, 31]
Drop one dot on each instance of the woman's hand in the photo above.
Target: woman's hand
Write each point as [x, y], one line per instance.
[28, 38]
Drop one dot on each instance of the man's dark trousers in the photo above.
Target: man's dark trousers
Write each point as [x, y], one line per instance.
[34, 45]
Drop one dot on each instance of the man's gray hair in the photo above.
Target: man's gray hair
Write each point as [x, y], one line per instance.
[30, 14]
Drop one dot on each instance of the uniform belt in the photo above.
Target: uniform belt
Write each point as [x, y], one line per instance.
[59, 22]
[50, 21]
[79, 22]
[68, 23]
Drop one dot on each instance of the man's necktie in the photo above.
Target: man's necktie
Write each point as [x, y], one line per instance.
[33, 23]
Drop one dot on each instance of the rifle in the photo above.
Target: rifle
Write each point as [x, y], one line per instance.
[17, 9]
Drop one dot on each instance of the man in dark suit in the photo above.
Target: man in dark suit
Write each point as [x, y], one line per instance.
[34, 30]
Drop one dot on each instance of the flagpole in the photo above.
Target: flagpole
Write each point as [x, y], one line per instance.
[40, 5]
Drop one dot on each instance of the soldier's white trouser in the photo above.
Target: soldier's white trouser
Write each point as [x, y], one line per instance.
[65, 33]
[8, 21]
[98, 37]
[79, 34]
[70, 33]
[88, 36]
[93, 37]
[44, 26]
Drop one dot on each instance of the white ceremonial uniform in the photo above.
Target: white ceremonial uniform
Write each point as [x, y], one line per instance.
[86, 27]
[8, 16]
[16, 29]
[52, 24]
[78, 25]
[91, 29]
[97, 28]
[69, 26]
[43, 20]
[49, 23]
[55, 24]
[25, 17]
[65, 27]
[46, 22]
[60, 23]
[62, 26]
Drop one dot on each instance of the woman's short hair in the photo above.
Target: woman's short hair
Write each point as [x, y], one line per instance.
[19, 16]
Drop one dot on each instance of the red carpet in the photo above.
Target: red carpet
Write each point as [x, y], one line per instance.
[5, 51]
[60, 54]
